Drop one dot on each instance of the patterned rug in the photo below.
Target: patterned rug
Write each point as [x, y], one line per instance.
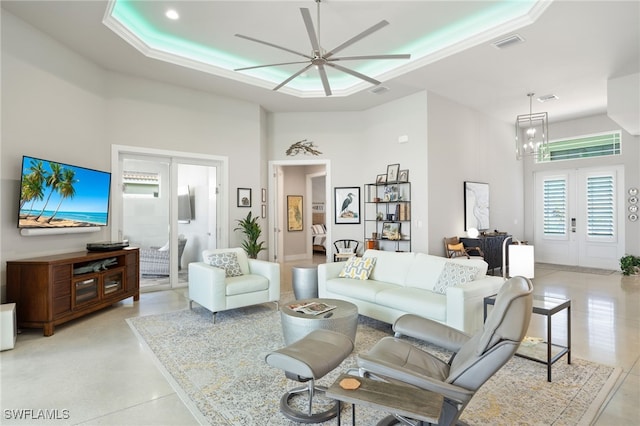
[219, 372]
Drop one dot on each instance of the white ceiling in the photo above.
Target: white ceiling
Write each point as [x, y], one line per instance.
[571, 49]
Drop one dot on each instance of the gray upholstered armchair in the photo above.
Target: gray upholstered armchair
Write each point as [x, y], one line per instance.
[155, 260]
[476, 358]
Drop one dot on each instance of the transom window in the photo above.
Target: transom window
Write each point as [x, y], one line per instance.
[597, 145]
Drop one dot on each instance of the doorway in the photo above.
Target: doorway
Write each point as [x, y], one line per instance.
[170, 205]
[579, 217]
[289, 177]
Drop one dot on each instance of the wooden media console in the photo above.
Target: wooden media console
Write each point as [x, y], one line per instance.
[52, 290]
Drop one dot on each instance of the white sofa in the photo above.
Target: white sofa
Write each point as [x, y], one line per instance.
[403, 283]
[211, 288]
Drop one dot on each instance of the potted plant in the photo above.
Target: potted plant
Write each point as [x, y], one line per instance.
[630, 264]
[252, 231]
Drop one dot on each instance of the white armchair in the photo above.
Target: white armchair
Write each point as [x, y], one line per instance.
[211, 288]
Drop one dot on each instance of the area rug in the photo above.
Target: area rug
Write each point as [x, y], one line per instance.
[219, 372]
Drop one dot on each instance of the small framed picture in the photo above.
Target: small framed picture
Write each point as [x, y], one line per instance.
[381, 178]
[264, 211]
[392, 172]
[391, 230]
[264, 195]
[294, 213]
[403, 176]
[244, 197]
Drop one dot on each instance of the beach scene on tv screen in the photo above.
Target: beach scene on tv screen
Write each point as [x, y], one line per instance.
[54, 195]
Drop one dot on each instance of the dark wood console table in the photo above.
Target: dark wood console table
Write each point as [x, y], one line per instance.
[52, 290]
[491, 246]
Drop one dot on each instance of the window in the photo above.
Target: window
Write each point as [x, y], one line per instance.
[555, 207]
[598, 145]
[140, 184]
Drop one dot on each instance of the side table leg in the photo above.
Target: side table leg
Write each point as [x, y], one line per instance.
[548, 348]
[569, 333]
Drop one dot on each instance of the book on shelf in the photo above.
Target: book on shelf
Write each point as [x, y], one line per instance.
[311, 308]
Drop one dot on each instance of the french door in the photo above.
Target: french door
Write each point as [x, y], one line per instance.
[579, 217]
[171, 202]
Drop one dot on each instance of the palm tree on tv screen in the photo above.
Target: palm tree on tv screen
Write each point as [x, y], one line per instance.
[65, 188]
[33, 184]
[53, 180]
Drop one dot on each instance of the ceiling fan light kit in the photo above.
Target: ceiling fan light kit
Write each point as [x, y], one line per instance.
[320, 58]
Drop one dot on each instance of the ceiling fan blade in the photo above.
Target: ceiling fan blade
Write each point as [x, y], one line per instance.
[270, 65]
[292, 77]
[274, 45]
[325, 80]
[308, 23]
[355, 58]
[354, 73]
[360, 36]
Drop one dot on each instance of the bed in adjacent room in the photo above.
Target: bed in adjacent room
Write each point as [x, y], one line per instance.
[319, 233]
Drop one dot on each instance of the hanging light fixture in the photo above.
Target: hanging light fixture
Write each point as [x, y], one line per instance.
[532, 133]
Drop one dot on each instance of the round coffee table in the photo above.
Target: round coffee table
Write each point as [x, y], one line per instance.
[342, 319]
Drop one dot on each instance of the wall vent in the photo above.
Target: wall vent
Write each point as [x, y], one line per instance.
[378, 90]
[508, 41]
[547, 98]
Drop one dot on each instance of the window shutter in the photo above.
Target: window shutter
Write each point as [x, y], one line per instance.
[555, 207]
[600, 206]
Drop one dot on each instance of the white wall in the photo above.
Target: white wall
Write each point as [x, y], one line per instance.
[466, 145]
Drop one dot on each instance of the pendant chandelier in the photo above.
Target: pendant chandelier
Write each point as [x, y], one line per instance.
[532, 134]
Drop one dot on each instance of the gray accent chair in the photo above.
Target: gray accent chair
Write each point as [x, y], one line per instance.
[154, 261]
[475, 358]
[307, 360]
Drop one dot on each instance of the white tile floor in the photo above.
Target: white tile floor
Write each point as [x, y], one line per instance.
[95, 368]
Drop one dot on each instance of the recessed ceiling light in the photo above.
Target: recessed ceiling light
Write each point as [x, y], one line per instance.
[172, 14]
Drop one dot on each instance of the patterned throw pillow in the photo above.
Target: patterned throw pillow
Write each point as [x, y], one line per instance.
[226, 261]
[358, 267]
[454, 274]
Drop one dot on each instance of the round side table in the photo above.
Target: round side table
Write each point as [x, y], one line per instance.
[304, 280]
[342, 319]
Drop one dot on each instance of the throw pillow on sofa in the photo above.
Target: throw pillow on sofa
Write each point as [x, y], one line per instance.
[454, 274]
[226, 261]
[358, 267]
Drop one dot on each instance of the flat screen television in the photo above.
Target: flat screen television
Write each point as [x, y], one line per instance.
[58, 195]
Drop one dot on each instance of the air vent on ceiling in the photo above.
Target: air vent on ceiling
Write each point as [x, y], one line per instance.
[547, 98]
[508, 41]
[378, 90]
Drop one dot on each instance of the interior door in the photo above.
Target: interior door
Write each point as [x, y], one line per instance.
[579, 217]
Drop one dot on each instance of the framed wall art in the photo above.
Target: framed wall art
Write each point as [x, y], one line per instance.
[294, 213]
[476, 206]
[347, 205]
[391, 230]
[392, 172]
[244, 197]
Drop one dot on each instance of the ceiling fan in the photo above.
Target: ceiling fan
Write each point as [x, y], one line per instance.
[320, 58]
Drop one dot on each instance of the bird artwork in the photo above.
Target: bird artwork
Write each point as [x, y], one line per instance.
[345, 206]
[302, 147]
